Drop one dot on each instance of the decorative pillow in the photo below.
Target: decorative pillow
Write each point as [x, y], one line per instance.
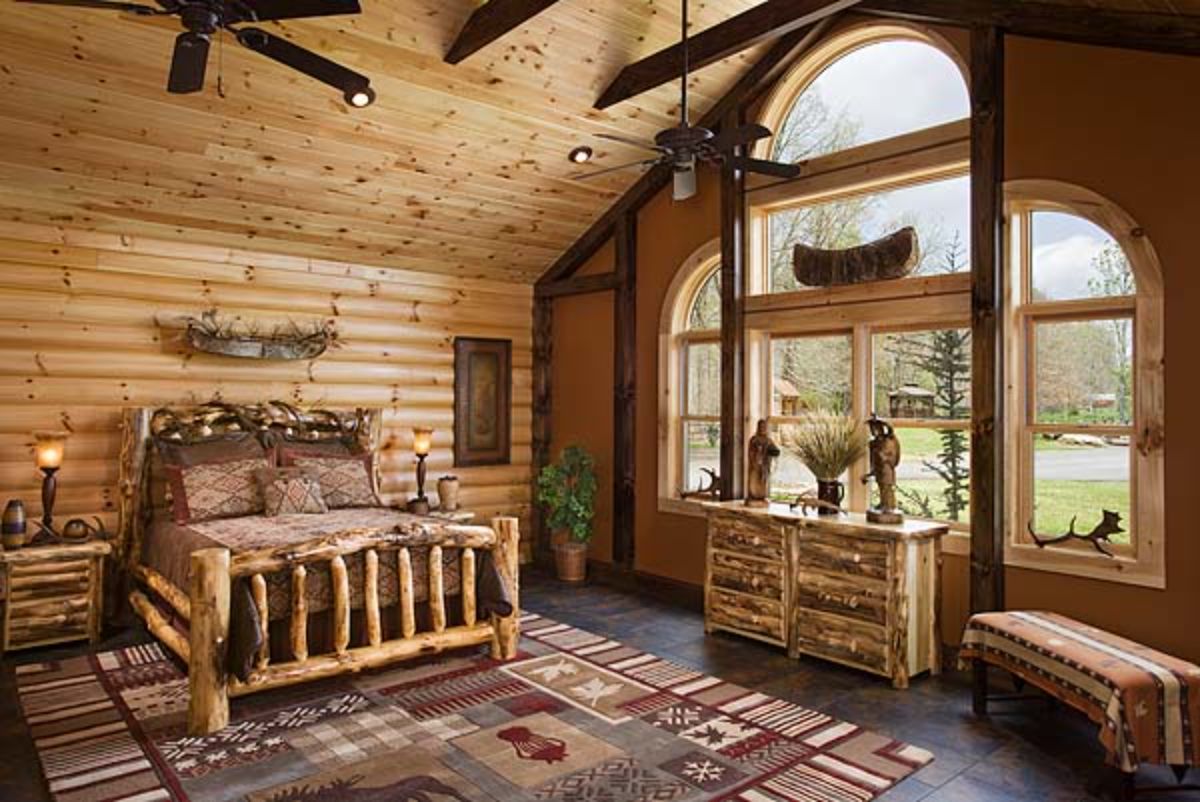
[215, 490]
[219, 449]
[345, 481]
[293, 495]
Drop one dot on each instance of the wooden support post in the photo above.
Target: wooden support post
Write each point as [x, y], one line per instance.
[258, 589]
[543, 354]
[507, 630]
[299, 614]
[979, 687]
[987, 315]
[96, 607]
[733, 338]
[625, 391]
[467, 583]
[407, 605]
[371, 597]
[341, 604]
[208, 686]
[437, 590]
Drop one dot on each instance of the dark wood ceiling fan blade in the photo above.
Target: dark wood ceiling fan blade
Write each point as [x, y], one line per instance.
[189, 63]
[265, 10]
[764, 167]
[632, 142]
[593, 174]
[302, 60]
[133, 8]
[742, 135]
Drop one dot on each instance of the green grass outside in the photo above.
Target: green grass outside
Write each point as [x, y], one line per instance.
[926, 443]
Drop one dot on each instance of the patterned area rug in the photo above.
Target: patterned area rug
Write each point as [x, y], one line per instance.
[576, 717]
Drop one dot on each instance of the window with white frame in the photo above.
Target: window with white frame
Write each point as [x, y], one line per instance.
[1086, 398]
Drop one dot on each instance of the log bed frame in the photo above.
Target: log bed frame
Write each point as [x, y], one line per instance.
[206, 605]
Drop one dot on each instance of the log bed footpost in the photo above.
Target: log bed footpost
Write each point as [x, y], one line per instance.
[507, 631]
[208, 687]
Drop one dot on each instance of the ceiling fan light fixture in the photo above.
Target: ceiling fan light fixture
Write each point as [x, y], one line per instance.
[580, 155]
[361, 97]
[684, 184]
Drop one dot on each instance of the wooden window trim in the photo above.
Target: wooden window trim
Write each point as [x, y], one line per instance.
[1142, 563]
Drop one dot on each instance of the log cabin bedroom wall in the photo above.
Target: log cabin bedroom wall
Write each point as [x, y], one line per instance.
[94, 322]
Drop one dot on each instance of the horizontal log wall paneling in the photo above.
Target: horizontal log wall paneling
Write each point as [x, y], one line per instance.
[90, 323]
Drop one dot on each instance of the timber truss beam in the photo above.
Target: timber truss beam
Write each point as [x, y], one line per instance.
[770, 20]
[490, 21]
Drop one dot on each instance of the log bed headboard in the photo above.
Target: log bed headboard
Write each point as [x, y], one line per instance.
[271, 421]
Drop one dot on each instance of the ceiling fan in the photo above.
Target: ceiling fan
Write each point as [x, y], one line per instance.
[203, 18]
[681, 146]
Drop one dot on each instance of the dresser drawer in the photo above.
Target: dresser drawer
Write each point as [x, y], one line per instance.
[753, 538]
[844, 640]
[747, 574]
[837, 554]
[746, 613]
[859, 597]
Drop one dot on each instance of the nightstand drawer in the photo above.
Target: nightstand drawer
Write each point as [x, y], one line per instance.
[746, 613]
[857, 597]
[747, 575]
[53, 593]
[752, 538]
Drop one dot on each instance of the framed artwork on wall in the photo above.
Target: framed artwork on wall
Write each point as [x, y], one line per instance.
[482, 401]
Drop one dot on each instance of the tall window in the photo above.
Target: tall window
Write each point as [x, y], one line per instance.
[690, 380]
[1087, 397]
[700, 415]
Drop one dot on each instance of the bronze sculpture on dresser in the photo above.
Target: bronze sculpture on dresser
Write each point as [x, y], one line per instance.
[759, 462]
[885, 457]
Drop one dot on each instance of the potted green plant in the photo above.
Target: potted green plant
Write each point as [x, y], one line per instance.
[567, 489]
[828, 445]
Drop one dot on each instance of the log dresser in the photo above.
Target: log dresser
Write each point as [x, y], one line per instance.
[52, 594]
[835, 587]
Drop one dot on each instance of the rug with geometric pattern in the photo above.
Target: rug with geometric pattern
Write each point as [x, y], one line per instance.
[576, 717]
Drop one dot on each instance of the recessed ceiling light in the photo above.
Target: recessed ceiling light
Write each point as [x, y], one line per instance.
[360, 98]
[580, 155]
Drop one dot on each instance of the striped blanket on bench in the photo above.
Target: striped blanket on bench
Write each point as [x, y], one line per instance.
[1147, 702]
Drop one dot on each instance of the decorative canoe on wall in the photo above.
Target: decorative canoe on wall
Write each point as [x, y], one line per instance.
[893, 256]
[290, 340]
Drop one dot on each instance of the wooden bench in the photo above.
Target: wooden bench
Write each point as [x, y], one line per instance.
[1147, 703]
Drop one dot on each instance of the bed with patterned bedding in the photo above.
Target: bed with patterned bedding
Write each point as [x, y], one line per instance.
[263, 557]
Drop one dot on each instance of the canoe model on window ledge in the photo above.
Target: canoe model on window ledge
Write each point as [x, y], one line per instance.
[289, 340]
[893, 256]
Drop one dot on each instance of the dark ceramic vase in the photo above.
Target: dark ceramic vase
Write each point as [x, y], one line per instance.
[833, 492]
[14, 526]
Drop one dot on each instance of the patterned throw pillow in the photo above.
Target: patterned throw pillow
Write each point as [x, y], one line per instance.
[215, 490]
[345, 481]
[293, 495]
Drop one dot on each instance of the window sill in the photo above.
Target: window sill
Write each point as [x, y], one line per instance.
[1124, 570]
[679, 506]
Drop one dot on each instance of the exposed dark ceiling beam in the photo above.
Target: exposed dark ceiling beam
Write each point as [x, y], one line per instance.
[770, 20]
[766, 68]
[1135, 30]
[491, 21]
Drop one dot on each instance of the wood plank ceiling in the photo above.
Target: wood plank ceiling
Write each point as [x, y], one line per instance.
[458, 169]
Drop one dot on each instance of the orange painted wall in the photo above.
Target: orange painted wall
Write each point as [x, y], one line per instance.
[1117, 122]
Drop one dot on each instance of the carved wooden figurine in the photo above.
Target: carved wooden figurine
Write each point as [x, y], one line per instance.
[761, 459]
[885, 456]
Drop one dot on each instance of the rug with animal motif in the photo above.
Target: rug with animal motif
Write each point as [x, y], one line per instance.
[577, 717]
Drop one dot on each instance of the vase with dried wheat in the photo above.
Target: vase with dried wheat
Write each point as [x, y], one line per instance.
[828, 445]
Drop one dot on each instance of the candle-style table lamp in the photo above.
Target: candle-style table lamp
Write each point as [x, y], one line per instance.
[422, 444]
[48, 449]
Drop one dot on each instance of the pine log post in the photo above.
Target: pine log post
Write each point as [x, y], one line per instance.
[507, 632]
[341, 604]
[467, 583]
[208, 703]
[299, 623]
[437, 590]
[371, 598]
[407, 605]
[258, 587]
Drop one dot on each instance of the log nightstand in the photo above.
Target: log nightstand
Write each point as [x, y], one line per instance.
[52, 594]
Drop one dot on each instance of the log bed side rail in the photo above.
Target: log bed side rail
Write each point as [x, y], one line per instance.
[207, 607]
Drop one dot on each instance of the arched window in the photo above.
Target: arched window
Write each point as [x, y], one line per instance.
[690, 378]
[1087, 384]
[878, 91]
